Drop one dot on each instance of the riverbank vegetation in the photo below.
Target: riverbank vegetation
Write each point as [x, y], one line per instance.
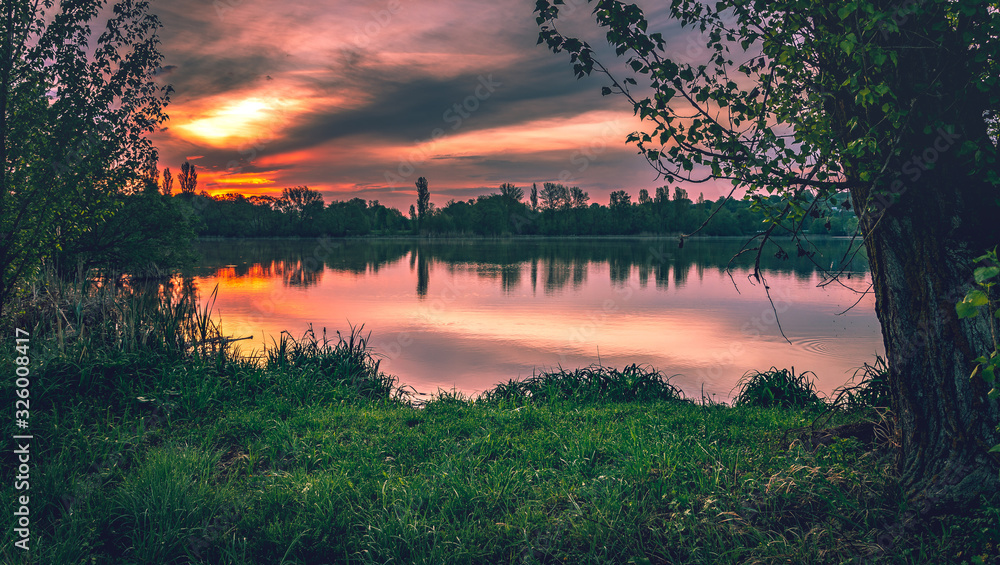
[563, 210]
[158, 442]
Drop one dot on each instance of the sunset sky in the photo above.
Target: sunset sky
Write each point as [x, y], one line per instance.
[359, 99]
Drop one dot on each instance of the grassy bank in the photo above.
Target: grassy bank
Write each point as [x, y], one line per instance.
[155, 443]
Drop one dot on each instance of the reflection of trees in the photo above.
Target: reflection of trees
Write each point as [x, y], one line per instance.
[423, 272]
[298, 273]
[558, 262]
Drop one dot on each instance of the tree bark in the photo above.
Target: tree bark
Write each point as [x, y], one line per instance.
[921, 250]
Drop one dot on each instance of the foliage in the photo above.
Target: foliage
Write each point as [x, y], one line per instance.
[780, 388]
[221, 459]
[234, 215]
[986, 277]
[346, 361]
[816, 103]
[423, 200]
[871, 391]
[74, 109]
[794, 102]
[148, 235]
[596, 383]
[188, 179]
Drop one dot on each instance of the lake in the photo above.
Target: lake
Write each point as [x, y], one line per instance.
[467, 314]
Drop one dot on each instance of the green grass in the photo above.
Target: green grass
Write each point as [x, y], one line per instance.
[181, 454]
[780, 388]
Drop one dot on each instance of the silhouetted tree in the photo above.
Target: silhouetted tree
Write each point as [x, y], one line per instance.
[167, 186]
[423, 200]
[151, 174]
[188, 179]
[619, 200]
[511, 193]
[555, 196]
[578, 198]
[534, 197]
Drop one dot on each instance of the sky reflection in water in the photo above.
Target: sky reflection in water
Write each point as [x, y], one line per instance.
[469, 314]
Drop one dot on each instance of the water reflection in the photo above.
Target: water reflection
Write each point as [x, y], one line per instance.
[471, 313]
[561, 264]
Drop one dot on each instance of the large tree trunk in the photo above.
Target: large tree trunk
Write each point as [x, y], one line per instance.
[921, 250]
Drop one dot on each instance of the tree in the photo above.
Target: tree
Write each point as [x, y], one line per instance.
[555, 196]
[644, 197]
[74, 110]
[578, 197]
[619, 200]
[511, 193]
[188, 179]
[151, 174]
[534, 197]
[167, 186]
[423, 200]
[302, 206]
[897, 107]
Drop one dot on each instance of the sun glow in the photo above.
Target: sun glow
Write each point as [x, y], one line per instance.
[251, 118]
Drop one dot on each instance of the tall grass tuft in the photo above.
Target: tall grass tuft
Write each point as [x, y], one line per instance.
[871, 391]
[595, 383]
[344, 361]
[778, 388]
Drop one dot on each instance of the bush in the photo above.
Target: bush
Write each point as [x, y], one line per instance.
[780, 388]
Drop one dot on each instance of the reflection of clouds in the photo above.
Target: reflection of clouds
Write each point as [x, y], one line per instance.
[474, 320]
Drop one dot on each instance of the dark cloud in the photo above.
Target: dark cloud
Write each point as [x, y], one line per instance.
[387, 81]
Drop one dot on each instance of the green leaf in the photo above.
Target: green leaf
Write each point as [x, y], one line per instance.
[966, 310]
[977, 298]
[984, 274]
[988, 374]
[995, 449]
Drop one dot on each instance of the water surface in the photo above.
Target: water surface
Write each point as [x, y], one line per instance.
[467, 314]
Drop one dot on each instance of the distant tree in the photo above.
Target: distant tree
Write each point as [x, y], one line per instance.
[167, 186]
[644, 197]
[578, 198]
[423, 200]
[413, 213]
[620, 199]
[188, 179]
[151, 173]
[701, 198]
[662, 194]
[534, 197]
[303, 206]
[555, 196]
[680, 195]
[511, 193]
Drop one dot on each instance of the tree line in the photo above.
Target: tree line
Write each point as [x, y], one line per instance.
[553, 209]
